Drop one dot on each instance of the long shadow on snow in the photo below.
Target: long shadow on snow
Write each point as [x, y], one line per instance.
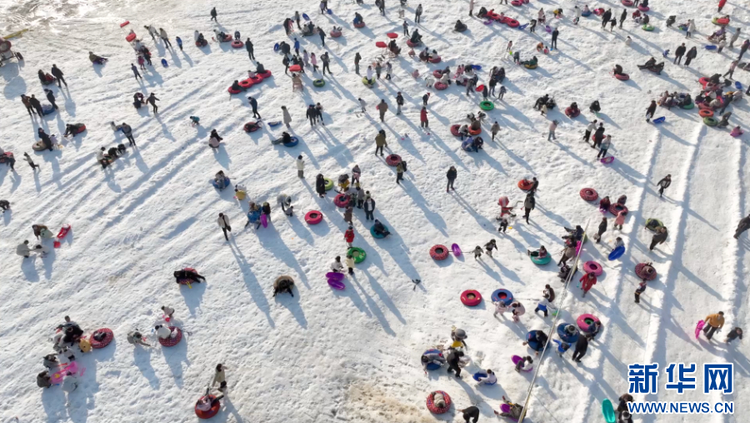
[251, 283]
[292, 304]
[271, 241]
[373, 306]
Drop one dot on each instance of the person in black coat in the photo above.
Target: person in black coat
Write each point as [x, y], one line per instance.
[51, 97]
[582, 344]
[311, 114]
[679, 53]
[691, 54]
[452, 174]
[36, 105]
[249, 48]
[453, 359]
[369, 208]
[57, 73]
[650, 111]
[254, 105]
[215, 134]
[320, 185]
[606, 17]
[470, 413]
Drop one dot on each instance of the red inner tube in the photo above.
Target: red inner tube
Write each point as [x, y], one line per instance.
[454, 130]
[440, 86]
[477, 132]
[109, 336]
[706, 113]
[616, 208]
[214, 410]
[431, 406]
[313, 217]
[237, 44]
[512, 23]
[171, 342]
[246, 83]
[525, 184]
[393, 159]
[359, 25]
[437, 74]
[622, 76]
[266, 74]
[439, 252]
[570, 113]
[436, 59]
[471, 297]
[231, 91]
[341, 200]
[516, 2]
[593, 267]
[589, 194]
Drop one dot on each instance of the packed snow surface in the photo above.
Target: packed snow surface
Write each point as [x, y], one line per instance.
[354, 355]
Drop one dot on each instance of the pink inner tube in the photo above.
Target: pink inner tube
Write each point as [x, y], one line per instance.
[454, 130]
[341, 200]
[313, 217]
[335, 34]
[516, 2]
[171, 342]
[622, 76]
[643, 275]
[512, 23]
[586, 320]
[589, 194]
[431, 405]
[436, 59]
[440, 86]
[643, 8]
[627, 2]
[593, 267]
[616, 208]
[437, 73]
[237, 44]
[393, 159]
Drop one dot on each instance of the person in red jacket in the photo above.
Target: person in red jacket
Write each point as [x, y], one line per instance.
[587, 282]
[423, 118]
[722, 3]
[349, 235]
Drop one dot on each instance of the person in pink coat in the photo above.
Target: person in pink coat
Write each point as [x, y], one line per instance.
[620, 220]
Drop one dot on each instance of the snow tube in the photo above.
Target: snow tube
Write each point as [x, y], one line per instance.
[593, 267]
[659, 120]
[439, 252]
[213, 182]
[251, 126]
[720, 21]
[359, 25]
[381, 44]
[313, 217]
[475, 131]
[647, 27]
[124, 23]
[392, 35]
[544, 260]
[627, 2]
[437, 73]
[433, 366]
[622, 76]
[710, 47]
[688, 106]
[571, 113]
[130, 37]
[266, 74]
[479, 375]
[586, 13]
[599, 11]
[440, 86]
[643, 8]
[607, 160]
[335, 34]
[357, 253]
[525, 184]
[231, 91]
[295, 68]
[479, 89]
[341, 200]
[531, 340]
[214, 410]
[528, 66]
[292, 143]
[502, 295]
[411, 44]
[237, 44]
[369, 83]
[436, 59]
[640, 271]
[80, 129]
[710, 121]
[512, 22]
[319, 83]
[47, 109]
[516, 3]
[38, 146]
[393, 159]
[108, 337]
[329, 184]
[584, 321]
[246, 83]
[454, 130]
[704, 113]
[486, 105]
[567, 332]
[616, 253]
[653, 224]
[431, 405]
[615, 209]
[376, 235]
[456, 250]
[186, 281]
[255, 79]
[703, 81]
[589, 194]
[171, 342]
[471, 297]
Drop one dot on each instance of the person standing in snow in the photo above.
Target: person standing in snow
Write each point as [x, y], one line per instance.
[423, 121]
[742, 226]
[349, 236]
[399, 172]
[165, 38]
[678, 53]
[589, 128]
[664, 184]
[135, 72]
[552, 128]
[369, 206]
[179, 42]
[602, 229]
[453, 359]
[300, 166]
[417, 14]
[555, 33]
[650, 111]
[380, 142]
[492, 245]
[604, 146]
[214, 14]
[528, 204]
[357, 58]
[638, 291]
[659, 238]
[587, 282]
[731, 41]
[224, 225]
[451, 175]
[254, 105]
[152, 101]
[311, 114]
[582, 345]
[360, 194]
[31, 163]
[320, 185]
[326, 61]
[477, 252]
[733, 334]
[399, 102]
[382, 108]
[58, 74]
[606, 17]
[714, 323]
[473, 411]
[350, 263]
[128, 132]
[495, 129]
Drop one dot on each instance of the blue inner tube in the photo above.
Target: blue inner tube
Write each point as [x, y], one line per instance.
[226, 183]
[477, 375]
[432, 366]
[531, 339]
[508, 296]
[566, 336]
[375, 235]
[294, 142]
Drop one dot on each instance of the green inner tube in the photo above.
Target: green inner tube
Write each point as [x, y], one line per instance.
[688, 106]
[710, 121]
[486, 105]
[530, 66]
[319, 82]
[544, 260]
[647, 27]
[357, 253]
[653, 224]
[329, 184]
[368, 82]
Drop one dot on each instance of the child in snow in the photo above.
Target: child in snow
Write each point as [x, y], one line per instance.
[733, 334]
[500, 307]
[336, 266]
[492, 245]
[168, 312]
[638, 291]
[525, 364]
[477, 252]
[517, 310]
[350, 263]
[562, 346]
[587, 282]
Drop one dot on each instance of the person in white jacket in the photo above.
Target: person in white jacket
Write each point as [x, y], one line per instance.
[23, 249]
[163, 332]
[606, 143]
[164, 37]
[490, 379]
[300, 166]
[589, 130]
[224, 225]
[336, 266]
[552, 127]
[287, 118]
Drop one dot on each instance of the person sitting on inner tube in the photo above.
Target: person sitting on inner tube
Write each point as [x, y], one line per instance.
[724, 119]
[446, 78]
[463, 131]
[236, 86]
[96, 59]
[573, 107]
[73, 129]
[424, 55]
[541, 101]
[416, 38]
[515, 409]
[541, 253]
[686, 100]
[286, 138]
[490, 379]
[260, 68]
[358, 18]
[617, 70]
[380, 229]
[482, 12]
[645, 19]
[532, 62]
[595, 106]
[220, 179]
[586, 9]
[460, 26]
[432, 358]
[604, 204]
[671, 20]
[201, 41]
[477, 144]
[621, 200]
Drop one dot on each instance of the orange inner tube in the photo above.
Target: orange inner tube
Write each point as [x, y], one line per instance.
[705, 113]
[524, 184]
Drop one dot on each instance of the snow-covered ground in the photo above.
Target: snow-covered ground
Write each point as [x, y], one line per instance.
[354, 355]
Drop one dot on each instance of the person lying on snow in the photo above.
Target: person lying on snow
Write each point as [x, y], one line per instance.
[574, 234]
[96, 59]
[380, 229]
[540, 253]
[191, 275]
[515, 410]
[73, 129]
[136, 338]
[432, 358]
